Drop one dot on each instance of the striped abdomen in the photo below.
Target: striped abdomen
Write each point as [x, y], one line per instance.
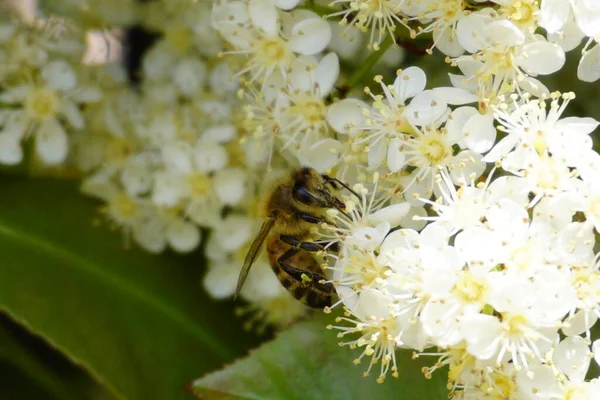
[311, 293]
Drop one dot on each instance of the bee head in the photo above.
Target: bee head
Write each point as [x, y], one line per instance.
[313, 189]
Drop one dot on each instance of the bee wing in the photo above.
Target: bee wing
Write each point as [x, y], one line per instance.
[253, 253]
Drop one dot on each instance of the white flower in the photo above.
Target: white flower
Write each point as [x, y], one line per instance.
[57, 96]
[533, 125]
[564, 378]
[442, 17]
[256, 32]
[390, 116]
[379, 332]
[300, 105]
[504, 55]
[378, 17]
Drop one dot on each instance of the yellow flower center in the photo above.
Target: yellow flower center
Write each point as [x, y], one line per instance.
[200, 184]
[433, 148]
[42, 103]
[575, 393]
[471, 290]
[272, 52]
[124, 207]
[521, 12]
[513, 323]
[118, 149]
[310, 108]
[502, 387]
[179, 38]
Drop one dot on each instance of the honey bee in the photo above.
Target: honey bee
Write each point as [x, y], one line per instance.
[294, 206]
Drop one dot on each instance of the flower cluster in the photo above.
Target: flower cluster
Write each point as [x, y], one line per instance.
[41, 89]
[504, 265]
[472, 218]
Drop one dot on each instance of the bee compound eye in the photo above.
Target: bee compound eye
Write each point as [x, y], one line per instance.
[302, 195]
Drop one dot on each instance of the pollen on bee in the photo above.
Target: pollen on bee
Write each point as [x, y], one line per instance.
[305, 278]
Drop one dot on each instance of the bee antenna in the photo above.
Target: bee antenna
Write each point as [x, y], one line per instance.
[329, 179]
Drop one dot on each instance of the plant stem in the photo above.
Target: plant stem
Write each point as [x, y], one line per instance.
[366, 66]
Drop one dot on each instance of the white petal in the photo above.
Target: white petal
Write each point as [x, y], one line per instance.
[51, 142]
[149, 235]
[168, 189]
[230, 185]
[596, 350]
[264, 16]
[346, 114]
[425, 108]
[571, 357]
[542, 58]
[502, 148]
[182, 236]
[72, 113]
[409, 83]
[234, 232]
[15, 94]
[408, 222]
[210, 156]
[327, 73]
[392, 214]
[310, 36]
[302, 74]
[455, 96]
[286, 4]
[474, 245]
[469, 32]
[221, 279]
[136, 176]
[189, 76]
[220, 133]
[177, 156]
[553, 14]
[582, 321]
[322, 155]
[87, 94]
[533, 86]
[396, 159]
[540, 381]
[587, 19]
[578, 125]
[482, 333]
[377, 153]
[346, 41]
[505, 33]
[589, 65]
[480, 133]
[10, 148]
[59, 75]
[569, 37]
[466, 166]
[456, 122]
[447, 42]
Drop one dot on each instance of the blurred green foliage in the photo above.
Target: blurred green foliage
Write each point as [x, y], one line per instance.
[138, 323]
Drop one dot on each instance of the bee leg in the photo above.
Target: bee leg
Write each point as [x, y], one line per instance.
[298, 244]
[302, 275]
[311, 219]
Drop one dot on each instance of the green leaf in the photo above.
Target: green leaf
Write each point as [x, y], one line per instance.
[17, 358]
[306, 363]
[139, 323]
